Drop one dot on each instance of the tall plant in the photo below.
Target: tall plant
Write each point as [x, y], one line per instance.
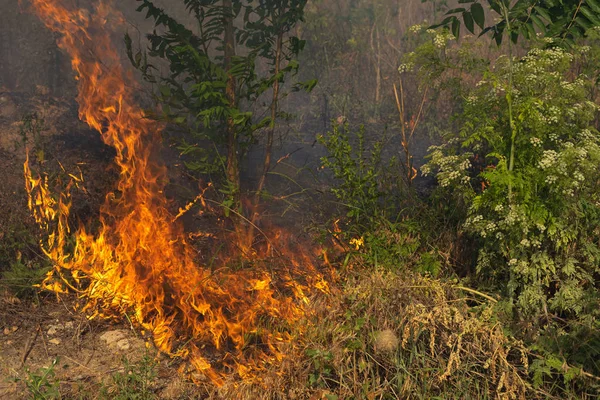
[215, 80]
[537, 223]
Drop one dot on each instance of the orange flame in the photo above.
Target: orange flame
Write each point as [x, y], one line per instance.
[139, 262]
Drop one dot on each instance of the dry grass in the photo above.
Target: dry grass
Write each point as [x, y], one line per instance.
[381, 335]
[385, 336]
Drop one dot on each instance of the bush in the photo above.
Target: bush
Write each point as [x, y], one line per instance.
[526, 163]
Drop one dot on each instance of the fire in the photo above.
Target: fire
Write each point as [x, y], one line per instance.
[138, 262]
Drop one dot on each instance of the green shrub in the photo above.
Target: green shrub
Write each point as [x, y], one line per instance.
[531, 190]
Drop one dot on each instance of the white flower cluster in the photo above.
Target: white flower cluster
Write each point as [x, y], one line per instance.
[450, 169]
[441, 39]
[568, 192]
[549, 158]
[415, 28]
[512, 217]
[535, 141]
[406, 67]
[553, 114]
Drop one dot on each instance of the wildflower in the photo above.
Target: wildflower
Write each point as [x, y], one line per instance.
[535, 141]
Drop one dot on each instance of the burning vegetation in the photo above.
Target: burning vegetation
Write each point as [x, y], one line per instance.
[138, 262]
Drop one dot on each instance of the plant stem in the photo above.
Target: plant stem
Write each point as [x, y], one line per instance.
[509, 98]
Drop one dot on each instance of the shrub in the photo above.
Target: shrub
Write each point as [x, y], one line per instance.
[526, 164]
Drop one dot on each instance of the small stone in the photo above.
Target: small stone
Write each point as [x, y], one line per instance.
[116, 339]
[52, 330]
[55, 341]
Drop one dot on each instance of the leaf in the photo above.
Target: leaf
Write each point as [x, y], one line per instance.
[590, 15]
[456, 28]
[542, 12]
[498, 37]
[538, 22]
[594, 5]
[455, 11]
[468, 19]
[478, 14]
[554, 363]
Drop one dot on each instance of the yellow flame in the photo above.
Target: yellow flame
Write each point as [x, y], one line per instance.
[138, 262]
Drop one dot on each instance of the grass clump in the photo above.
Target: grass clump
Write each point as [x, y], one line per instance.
[399, 337]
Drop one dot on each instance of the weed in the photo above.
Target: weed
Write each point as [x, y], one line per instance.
[134, 383]
[42, 384]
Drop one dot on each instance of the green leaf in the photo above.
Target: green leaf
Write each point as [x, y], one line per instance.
[456, 28]
[468, 19]
[594, 5]
[590, 15]
[542, 12]
[554, 363]
[478, 14]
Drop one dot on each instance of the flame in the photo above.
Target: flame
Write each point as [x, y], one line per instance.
[138, 262]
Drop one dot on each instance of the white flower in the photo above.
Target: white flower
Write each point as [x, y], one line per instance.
[549, 157]
[535, 141]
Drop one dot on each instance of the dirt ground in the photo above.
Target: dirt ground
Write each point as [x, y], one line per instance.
[87, 353]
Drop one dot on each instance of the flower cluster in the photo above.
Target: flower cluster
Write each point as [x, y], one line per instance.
[450, 169]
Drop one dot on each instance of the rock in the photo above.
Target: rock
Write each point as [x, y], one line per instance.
[116, 339]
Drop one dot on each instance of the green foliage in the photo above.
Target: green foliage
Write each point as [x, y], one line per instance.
[368, 190]
[194, 94]
[537, 224]
[565, 20]
[322, 368]
[135, 382]
[22, 276]
[42, 384]
[362, 182]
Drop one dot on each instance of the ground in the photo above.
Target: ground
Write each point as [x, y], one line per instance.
[88, 354]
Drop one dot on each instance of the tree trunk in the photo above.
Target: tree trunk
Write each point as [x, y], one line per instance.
[274, 104]
[233, 169]
[270, 135]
